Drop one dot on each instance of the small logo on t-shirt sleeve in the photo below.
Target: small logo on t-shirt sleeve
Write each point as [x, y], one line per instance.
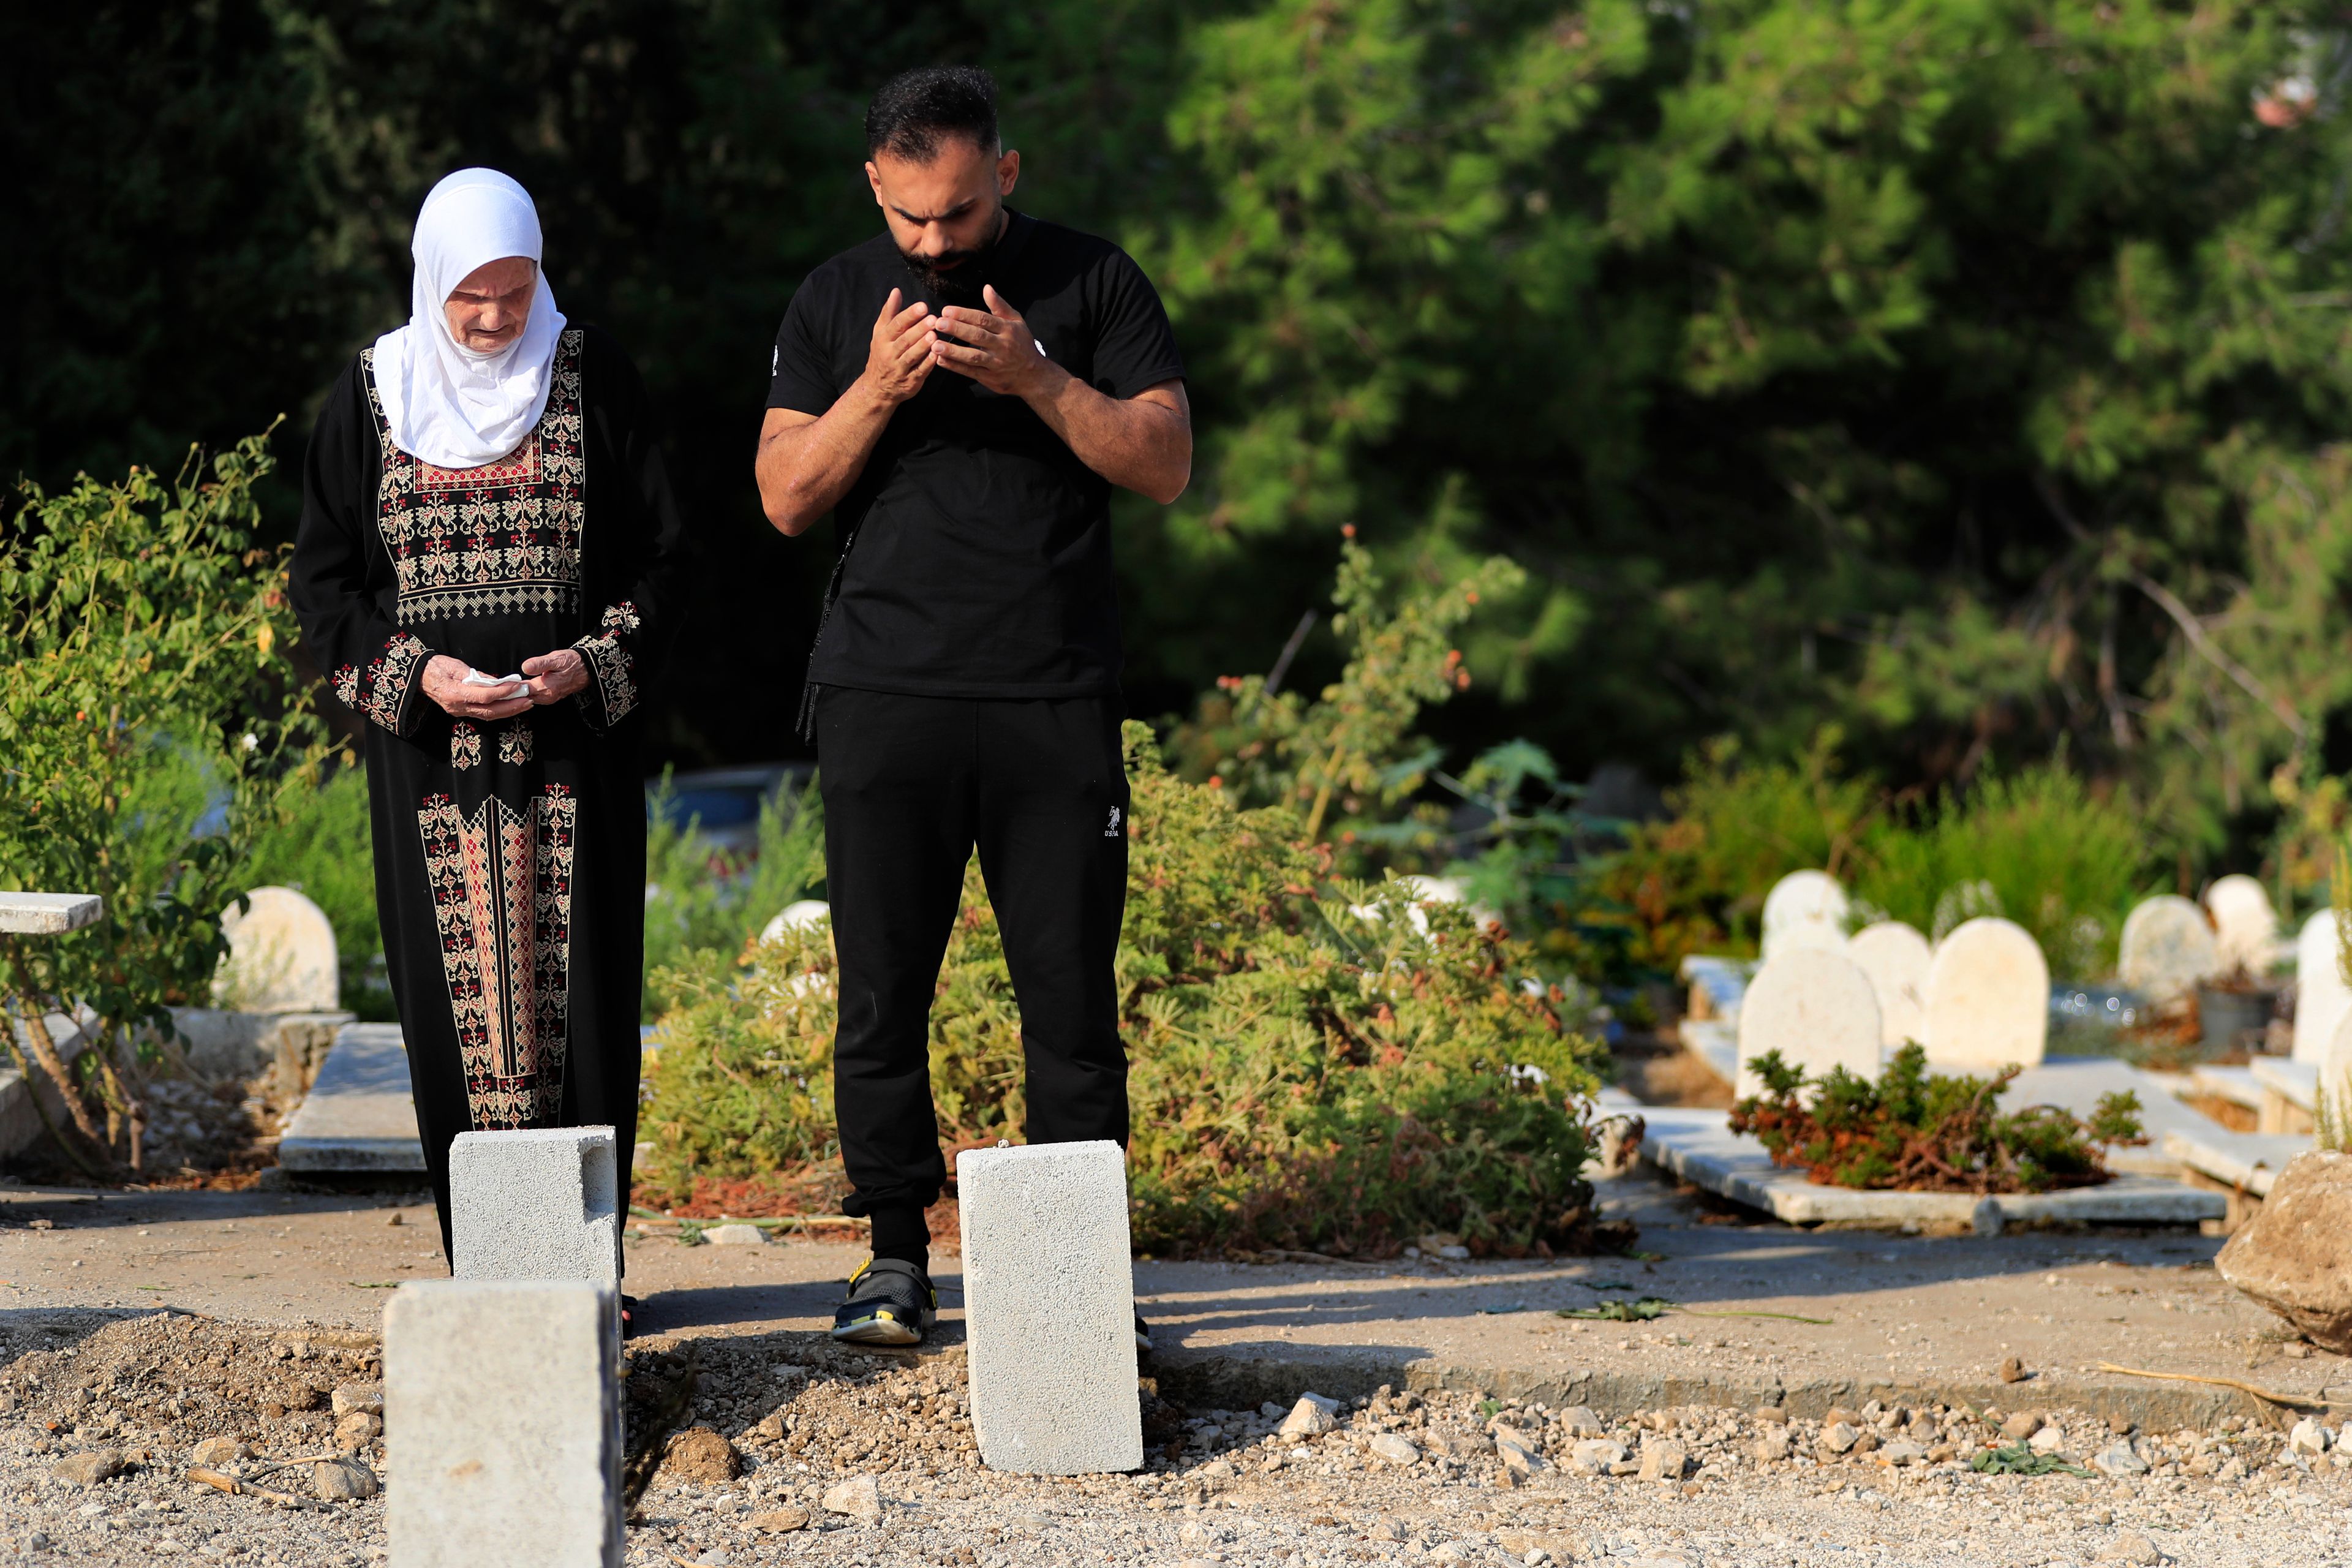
[1112, 830]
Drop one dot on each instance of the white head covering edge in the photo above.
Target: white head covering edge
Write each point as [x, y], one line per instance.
[446, 404]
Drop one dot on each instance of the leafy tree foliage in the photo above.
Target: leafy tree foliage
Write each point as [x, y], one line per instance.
[1969, 373]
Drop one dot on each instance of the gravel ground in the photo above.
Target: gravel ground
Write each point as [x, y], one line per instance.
[799, 1419]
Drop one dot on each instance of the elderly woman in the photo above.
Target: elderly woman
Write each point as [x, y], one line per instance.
[488, 561]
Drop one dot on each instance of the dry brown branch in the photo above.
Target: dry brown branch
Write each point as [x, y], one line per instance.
[2291, 1401]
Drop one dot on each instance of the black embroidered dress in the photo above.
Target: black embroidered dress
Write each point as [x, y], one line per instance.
[509, 856]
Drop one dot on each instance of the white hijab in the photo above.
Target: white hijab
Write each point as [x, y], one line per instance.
[446, 404]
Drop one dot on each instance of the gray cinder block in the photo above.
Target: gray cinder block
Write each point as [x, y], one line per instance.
[502, 1429]
[543, 1204]
[1049, 1307]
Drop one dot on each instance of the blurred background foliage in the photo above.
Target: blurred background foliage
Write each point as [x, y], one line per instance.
[1966, 380]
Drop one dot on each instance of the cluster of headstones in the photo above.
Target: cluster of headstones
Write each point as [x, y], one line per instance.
[1977, 1001]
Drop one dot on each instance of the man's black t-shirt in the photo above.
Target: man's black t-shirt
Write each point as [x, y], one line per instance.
[980, 565]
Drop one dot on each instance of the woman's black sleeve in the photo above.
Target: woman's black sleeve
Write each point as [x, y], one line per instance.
[376, 669]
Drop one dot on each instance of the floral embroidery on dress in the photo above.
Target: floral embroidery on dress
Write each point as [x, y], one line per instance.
[347, 685]
[502, 537]
[614, 666]
[389, 677]
[464, 745]
[514, 743]
[502, 881]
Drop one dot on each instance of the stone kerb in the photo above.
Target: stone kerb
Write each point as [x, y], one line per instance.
[1895, 956]
[1988, 998]
[2322, 998]
[1816, 1008]
[1049, 1307]
[1804, 909]
[502, 1424]
[280, 958]
[540, 1203]
[2168, 948]
[2245, 927]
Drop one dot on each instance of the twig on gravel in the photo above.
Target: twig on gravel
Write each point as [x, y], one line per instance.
[2291, 1401]
[236, 1487]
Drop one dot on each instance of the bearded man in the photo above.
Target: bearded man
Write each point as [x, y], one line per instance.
[962, 390]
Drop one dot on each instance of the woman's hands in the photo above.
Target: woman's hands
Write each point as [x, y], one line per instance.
[556, 676]
[445, 682]
[549, 678]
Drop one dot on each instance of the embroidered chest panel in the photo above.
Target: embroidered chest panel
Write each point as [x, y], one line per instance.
[501, 538]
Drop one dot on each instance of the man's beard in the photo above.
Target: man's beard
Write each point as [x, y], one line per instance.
[957, 276]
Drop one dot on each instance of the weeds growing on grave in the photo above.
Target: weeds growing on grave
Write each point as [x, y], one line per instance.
[1917, 1132]
[1317, 1064]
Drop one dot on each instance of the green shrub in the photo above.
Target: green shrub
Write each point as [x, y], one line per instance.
[2037, 846]
[1915, 1131]
[1315, 1063]
[2060, 862]
[142, 732]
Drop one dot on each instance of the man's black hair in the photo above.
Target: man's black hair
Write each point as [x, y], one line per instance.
[918, 111]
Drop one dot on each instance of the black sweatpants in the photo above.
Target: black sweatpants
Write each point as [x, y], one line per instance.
[911, 785]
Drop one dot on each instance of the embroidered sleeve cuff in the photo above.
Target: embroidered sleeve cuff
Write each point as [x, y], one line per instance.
[389, 690]
[611, 694]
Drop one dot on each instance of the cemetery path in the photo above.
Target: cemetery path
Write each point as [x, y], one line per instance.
[1932, 1315]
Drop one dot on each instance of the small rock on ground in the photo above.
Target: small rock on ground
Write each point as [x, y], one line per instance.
[859, 1498]
[701, 1456]
[343, 1480]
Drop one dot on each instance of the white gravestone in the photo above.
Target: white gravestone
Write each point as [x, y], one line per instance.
[2335, 1092]
[2322, 998]
[800, 913]
[2168, 948]
[281, 956]
[502, 1424]
[2245, 927]
[1049, 1307]
[1804, 909]
[1816, 1008]
[538, 1204]
[1895, 957]
[1987, 998]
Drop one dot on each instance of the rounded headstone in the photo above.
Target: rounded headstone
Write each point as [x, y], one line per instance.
[280, 958]
[799, 914]
[1988, 998]
[1804, 909]
[2168, 948]
[2245, 927]
[2322, 998]
[1895, 957]
[1816, 1008]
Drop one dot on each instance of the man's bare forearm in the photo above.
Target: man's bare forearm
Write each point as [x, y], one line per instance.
[1141, 443]
[804, 468]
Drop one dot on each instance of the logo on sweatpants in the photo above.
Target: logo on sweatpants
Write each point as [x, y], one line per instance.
[1112, 831]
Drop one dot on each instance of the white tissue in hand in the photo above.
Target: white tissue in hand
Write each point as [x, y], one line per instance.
[475, 678]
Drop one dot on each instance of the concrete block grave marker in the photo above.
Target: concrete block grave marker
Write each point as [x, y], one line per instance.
[1895, 957]
[2321, 999]
[1804, 909]
[2168, 948]
[1049, 1307]
[502, 1424]
[1816, 1008]
[280, 958]
[1987, 998]
[541, 1203]
[2245, 927]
